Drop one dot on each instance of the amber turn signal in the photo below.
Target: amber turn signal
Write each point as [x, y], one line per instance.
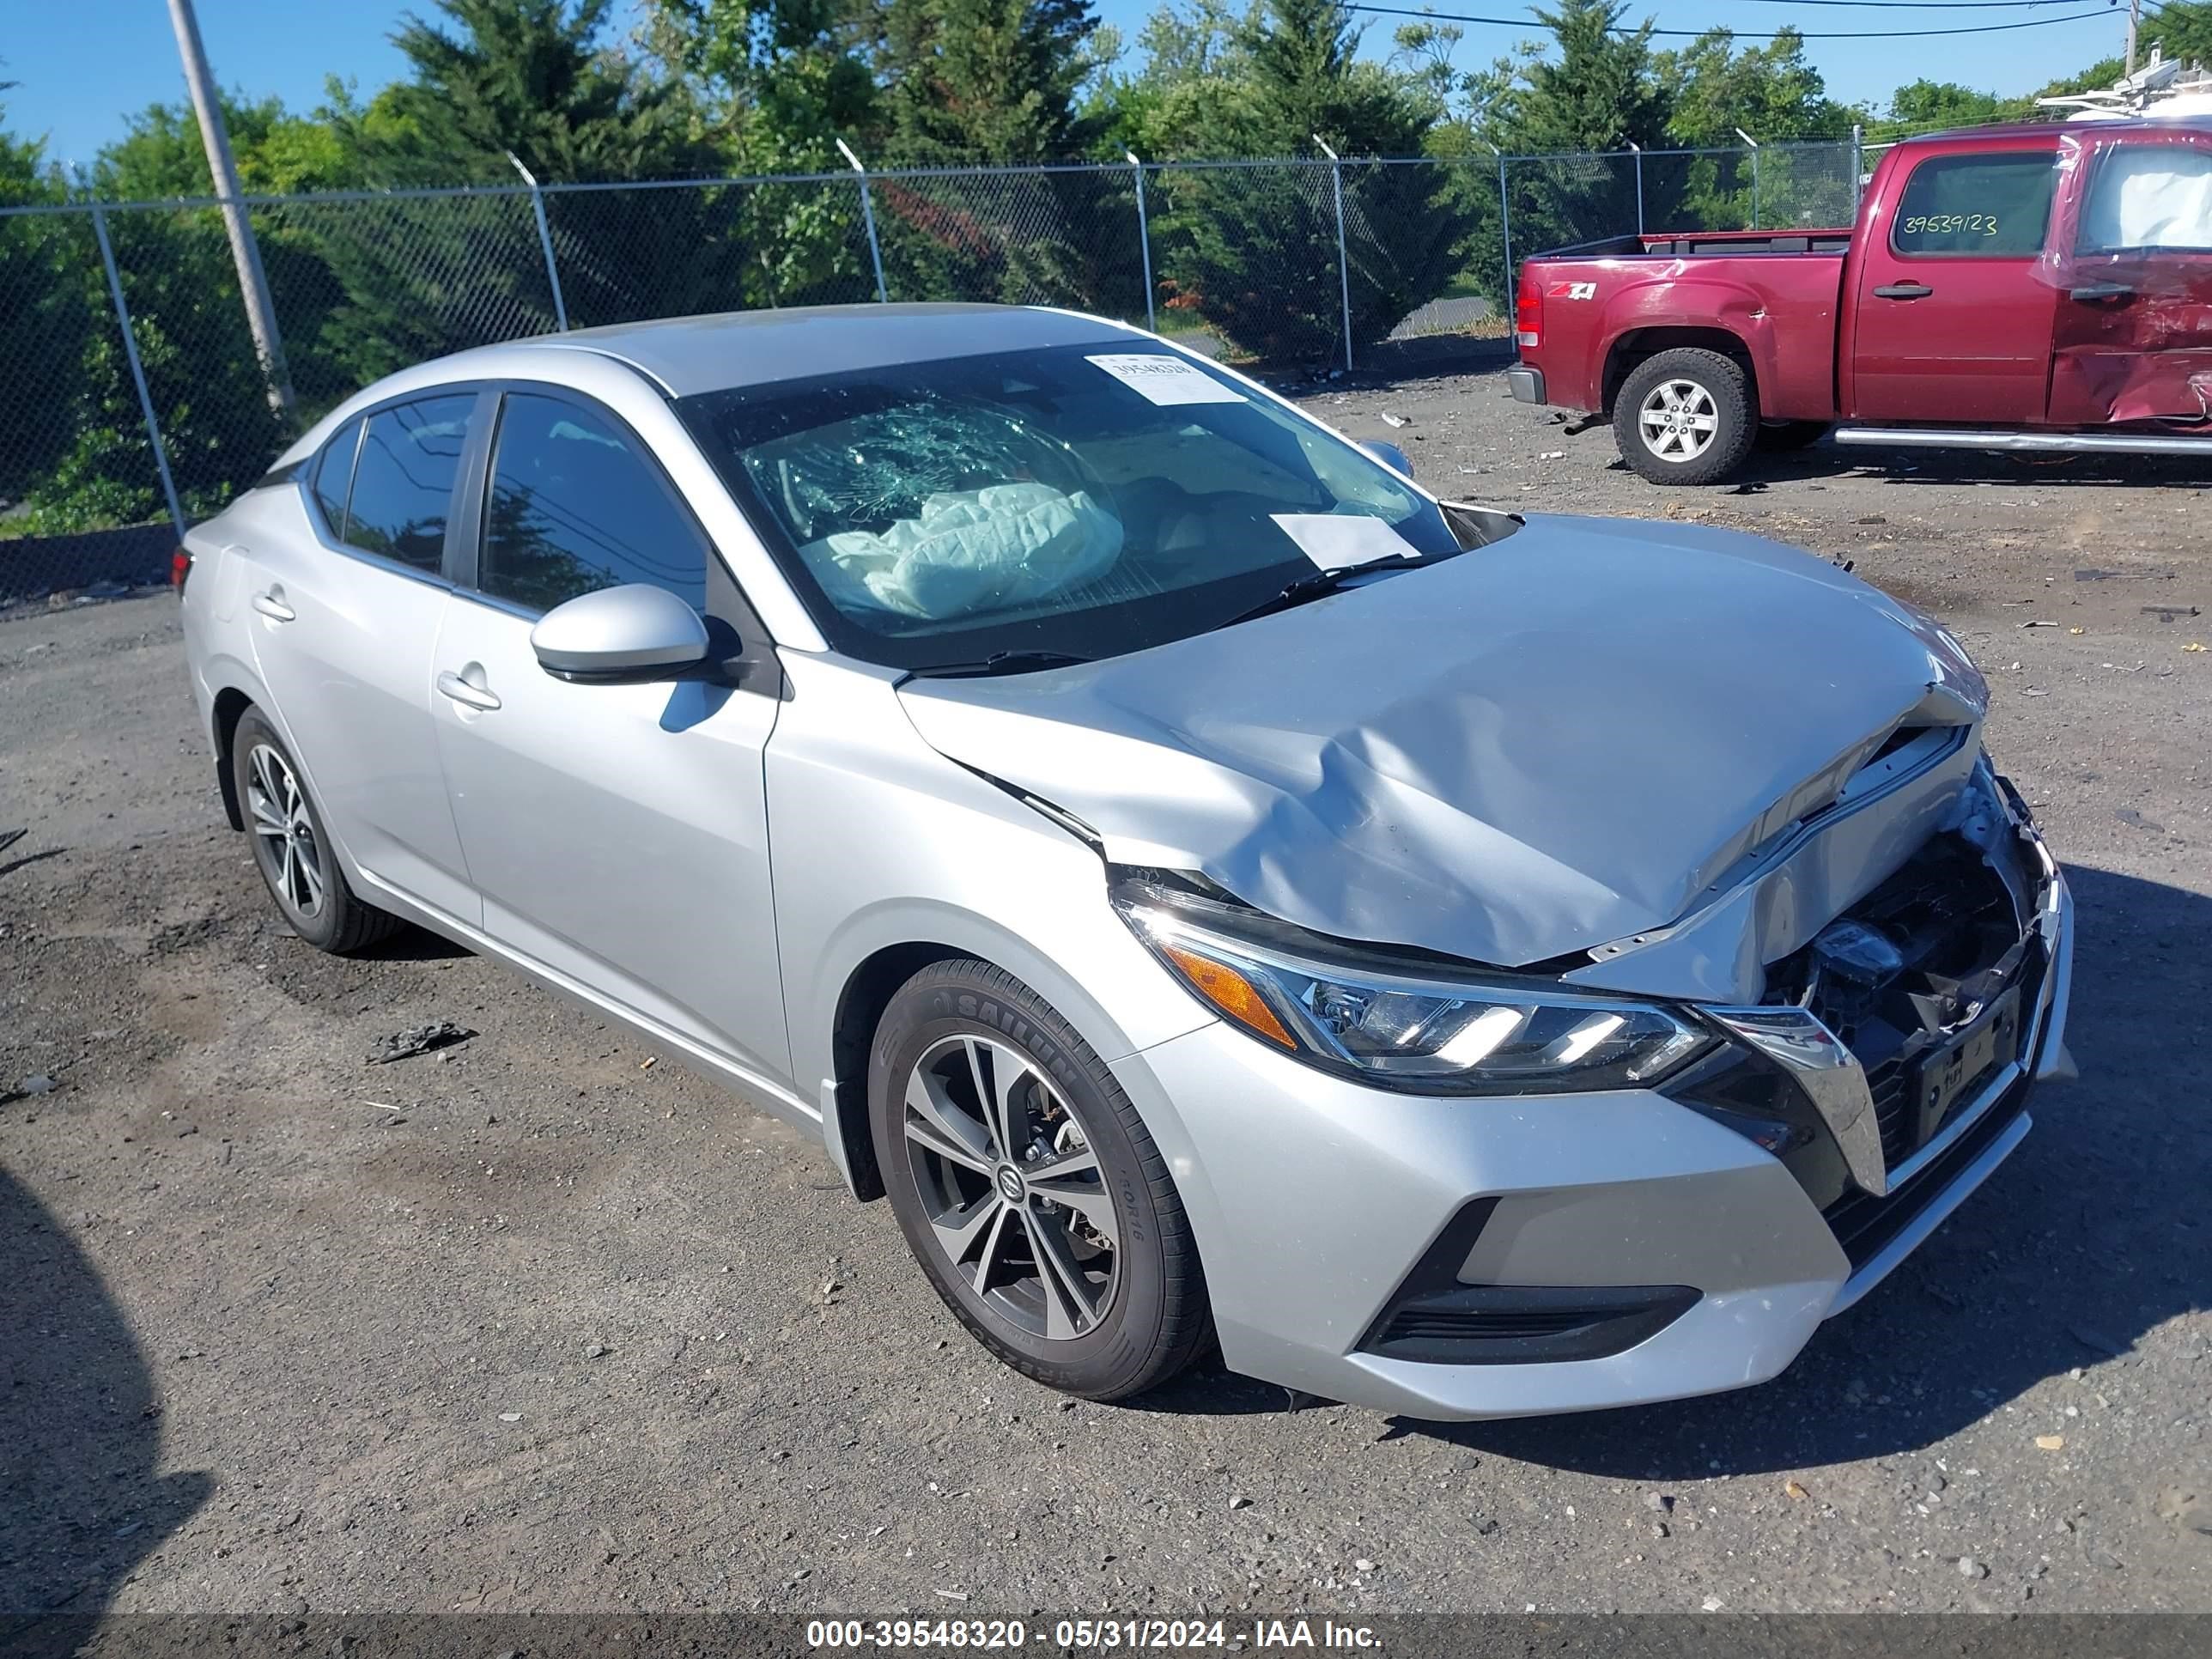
[1230, 992]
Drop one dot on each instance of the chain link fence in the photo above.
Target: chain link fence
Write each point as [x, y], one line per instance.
[137, 400]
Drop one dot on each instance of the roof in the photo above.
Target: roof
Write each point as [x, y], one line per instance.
[688, 355]
[2059, 127]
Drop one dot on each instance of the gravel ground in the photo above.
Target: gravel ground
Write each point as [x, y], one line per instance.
[530, 1324]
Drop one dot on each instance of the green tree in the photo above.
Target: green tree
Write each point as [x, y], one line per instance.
[1711, 88]
[1252, 249]
[1001, 81]
[532, 79]
[1191, 60]
[992, 81]
[776, 83]
[1926, 106]
[1593, 88]
[78, 454]
[1599, 92]
[187, 320]
[2182, 30]
[47, 271]
[277, 153]
[773, 84]
[527, 77]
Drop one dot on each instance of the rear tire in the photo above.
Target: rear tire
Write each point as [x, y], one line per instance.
[1686, 416]
[291, 848]
[1028, 1187]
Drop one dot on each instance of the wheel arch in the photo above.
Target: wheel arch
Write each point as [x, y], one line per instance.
[230, 706]
[837, 984]
[867, 992]
[1638, 345]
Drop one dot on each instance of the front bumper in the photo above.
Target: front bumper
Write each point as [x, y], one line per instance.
[1316, 1200]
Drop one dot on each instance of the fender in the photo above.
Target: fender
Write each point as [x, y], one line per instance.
[227, 673]
[1790, 364]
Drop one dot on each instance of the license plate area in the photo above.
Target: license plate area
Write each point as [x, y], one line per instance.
[1948, 1074]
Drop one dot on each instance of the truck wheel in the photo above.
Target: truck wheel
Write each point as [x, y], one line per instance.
[1686, 416]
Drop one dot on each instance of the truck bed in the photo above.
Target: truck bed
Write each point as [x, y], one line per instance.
[1706, 244]
[1774, 292]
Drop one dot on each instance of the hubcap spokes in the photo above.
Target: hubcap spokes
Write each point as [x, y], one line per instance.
[1011, 1189]
[1679, 420]
[283, 834]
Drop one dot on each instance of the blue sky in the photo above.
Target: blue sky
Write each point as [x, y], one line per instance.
[83, 65]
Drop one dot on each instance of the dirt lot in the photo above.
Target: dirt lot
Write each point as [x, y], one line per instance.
[528, 1325]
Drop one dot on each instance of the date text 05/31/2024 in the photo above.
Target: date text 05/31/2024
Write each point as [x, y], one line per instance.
[1087, 1634]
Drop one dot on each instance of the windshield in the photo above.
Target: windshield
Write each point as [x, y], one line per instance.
[1082, 500]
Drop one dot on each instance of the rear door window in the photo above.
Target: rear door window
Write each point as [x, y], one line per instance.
[1993, 206]
[2147, 197]
[403, 482]
[576, 506]
[333, 476]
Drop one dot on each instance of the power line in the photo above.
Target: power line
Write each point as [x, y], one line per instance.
[1827, 34]
[1918, 5]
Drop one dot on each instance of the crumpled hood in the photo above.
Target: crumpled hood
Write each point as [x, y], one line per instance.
[1543, 746]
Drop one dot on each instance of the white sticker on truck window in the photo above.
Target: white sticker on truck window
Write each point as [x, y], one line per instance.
[1166, 380]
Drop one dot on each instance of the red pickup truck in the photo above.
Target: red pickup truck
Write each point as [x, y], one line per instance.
[2042, 287]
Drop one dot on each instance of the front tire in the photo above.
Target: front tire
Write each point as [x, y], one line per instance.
[291, 848]
[1686, 416]
[1028, 1187]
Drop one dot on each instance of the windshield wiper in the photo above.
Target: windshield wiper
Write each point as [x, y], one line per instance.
[1323, 582]
[999, 662]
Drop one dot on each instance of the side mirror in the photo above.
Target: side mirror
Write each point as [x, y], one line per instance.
[1390, 455]
[634, 632]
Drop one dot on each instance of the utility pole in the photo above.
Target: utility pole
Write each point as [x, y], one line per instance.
[1753, 143]
[2135, 17]
[252, 282]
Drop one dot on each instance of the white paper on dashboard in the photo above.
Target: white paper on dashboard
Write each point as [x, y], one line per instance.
[1166, 381]
[1336, 540]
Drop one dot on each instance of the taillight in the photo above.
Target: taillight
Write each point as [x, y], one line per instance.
[1529, 313]
[180, 566]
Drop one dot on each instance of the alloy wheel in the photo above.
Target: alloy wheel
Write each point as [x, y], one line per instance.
[1678, 419]
[1013, 1192]
[284, 831]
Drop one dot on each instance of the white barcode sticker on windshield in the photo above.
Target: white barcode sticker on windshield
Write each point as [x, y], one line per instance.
[1343, 541]
[1166, 380]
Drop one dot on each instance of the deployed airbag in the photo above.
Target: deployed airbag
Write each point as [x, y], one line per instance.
[2150, 197]
[970, 551]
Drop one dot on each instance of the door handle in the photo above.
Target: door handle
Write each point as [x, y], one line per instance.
[1903, 291]
[270, 604]
[2091, 293]
[452, 685]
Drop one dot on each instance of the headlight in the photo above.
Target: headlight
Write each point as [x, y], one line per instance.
[1411, 1033]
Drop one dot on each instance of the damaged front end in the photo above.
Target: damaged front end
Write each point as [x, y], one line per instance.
[1886, 1065]
[1892, 1053]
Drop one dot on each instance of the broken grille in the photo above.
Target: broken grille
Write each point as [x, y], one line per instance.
[1898, 974]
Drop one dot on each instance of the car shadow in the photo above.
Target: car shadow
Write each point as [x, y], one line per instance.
[2094, 1233]
[411, 943]
[1826, 461]
[82, 1501]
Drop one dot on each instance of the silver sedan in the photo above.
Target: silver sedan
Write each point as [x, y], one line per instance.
[1461, 963]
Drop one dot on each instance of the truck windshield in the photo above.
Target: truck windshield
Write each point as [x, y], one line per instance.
[1080, 501]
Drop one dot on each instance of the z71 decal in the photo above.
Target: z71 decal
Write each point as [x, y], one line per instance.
[1572, 291]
